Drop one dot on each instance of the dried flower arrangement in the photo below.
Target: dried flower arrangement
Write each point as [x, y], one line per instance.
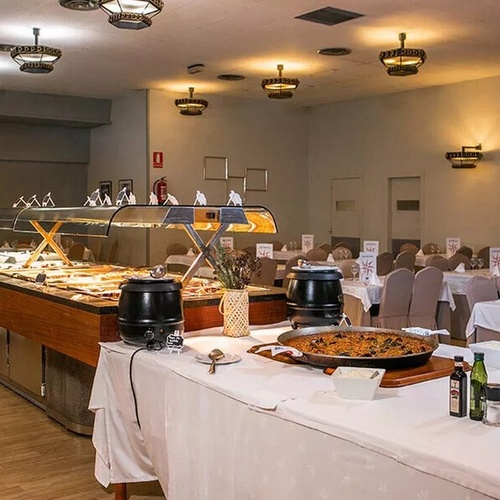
[234, 268]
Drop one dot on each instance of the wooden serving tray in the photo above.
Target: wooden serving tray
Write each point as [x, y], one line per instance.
[436, 367]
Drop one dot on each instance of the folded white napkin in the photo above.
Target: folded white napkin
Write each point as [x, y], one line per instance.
[425, 332]
[374, 279]
[190, 252]
[330, 258]
[420, 253]
[460, 268]
[5, 244]
[496, 271]
[284, 248]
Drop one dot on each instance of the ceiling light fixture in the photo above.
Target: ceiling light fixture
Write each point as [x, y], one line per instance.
[131, 14]
[80, 5]
[281, 87]
[465, 159]
[189, 106]
[37, 59]
[402, 61]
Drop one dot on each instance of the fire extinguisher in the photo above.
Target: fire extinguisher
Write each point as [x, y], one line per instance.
[160, 190]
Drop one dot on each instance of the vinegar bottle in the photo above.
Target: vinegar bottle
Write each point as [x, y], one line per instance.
[458, 389]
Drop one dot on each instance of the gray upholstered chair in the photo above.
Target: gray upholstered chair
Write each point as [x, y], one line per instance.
[326, 247]
[405, 260]
[265, 273]
[480, 289]
[395, 300]
[385, 263]
[484, 254]
[317, 254]
[467, 251]
[437, 261]
[176, 249]
[345, 267]
[277, 245]
[408, 247]
[459, 258]
[424, 300]
[343, 244]
[341, 253]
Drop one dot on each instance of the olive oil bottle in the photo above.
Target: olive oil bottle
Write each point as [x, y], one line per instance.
[458, 389]
[478, 378]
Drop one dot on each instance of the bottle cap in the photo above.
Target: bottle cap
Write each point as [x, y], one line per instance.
[492, 392]
[459, 359]
[479, 356]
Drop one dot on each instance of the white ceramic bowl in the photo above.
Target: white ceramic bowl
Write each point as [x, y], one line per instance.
[355, 383]
[491, 349]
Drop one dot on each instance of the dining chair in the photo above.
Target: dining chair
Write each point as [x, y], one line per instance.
[385, 263]
[317, 254]
[176, 249]
[430, 248]
[291, 262]
[425, 296]
[277, 245]
[408, 247]
[405, 260]
[437, 261]
[459, 258]
[484, 254]
[395, 300]
[343, 244]
[326, 247]
[480, 289]
[497, 280]
[341, 253]
[265, 272]
[345, 267]
[467, 251]
[251, 250]
[76, 251]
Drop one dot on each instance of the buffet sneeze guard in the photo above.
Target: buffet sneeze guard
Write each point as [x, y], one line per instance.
[97, 221]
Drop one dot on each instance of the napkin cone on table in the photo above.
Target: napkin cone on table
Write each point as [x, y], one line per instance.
[496, 271]
[374, 280]
[460, 268]
[284, 248]
[330, 258]
[190, 252]
[420, 253]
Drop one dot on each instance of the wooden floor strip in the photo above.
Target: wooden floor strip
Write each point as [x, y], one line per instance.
[40, 460]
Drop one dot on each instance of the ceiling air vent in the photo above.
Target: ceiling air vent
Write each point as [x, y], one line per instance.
[329, 16]
[334, 51]
[80, 4]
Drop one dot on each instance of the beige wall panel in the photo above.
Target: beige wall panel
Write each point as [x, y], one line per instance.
[25, 362]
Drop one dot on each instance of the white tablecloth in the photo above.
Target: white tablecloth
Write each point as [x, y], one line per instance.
[185, 260]
[486, 315]
[285, 255]
[371, 294]
[458, 281]
[260, 429]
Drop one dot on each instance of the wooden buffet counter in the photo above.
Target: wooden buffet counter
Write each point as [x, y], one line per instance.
[62, 328]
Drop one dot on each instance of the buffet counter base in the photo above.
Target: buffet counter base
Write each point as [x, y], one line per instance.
[62, 330]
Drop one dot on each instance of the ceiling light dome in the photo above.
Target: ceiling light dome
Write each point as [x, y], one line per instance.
[402, 61]
[131, 14]
[37, 59]
[189, 106]
[281, 87]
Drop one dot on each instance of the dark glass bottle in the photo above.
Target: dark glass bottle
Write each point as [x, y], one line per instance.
[458, 389]
[478, 378]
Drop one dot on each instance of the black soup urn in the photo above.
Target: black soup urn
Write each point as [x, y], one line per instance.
[149, 310]
[314, 296]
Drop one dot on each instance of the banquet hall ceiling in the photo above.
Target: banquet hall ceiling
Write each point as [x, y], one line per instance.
[250, 37]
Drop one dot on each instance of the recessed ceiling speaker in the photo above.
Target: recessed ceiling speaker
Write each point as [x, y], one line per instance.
[195, 68]
[80, 4]
[334, 51]
[231, 78]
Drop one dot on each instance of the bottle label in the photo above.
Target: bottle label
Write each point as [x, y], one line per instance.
[454, 396]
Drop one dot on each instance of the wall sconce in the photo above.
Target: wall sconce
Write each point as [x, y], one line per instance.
[465, 159]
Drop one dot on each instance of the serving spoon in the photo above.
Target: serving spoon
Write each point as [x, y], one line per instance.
[214, 355]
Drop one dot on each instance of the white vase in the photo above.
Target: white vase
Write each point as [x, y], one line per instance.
[234, 307]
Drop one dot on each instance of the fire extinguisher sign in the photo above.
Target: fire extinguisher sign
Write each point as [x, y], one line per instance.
[157, 159]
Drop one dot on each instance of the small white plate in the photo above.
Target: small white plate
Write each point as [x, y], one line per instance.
[226, 360]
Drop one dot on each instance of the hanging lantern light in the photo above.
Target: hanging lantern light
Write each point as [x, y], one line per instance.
[402, 61]
[281, 87]
[190, 106]
[131, 14]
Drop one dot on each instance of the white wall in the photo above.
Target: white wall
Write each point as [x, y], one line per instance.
[119, 151]
[408, 134]
[252, 134]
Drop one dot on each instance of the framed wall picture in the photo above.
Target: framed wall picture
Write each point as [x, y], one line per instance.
[256, 179]
[128, 183]
[105, 187]
[215, 168]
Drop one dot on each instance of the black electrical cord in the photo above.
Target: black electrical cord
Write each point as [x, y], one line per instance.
[150, 346]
